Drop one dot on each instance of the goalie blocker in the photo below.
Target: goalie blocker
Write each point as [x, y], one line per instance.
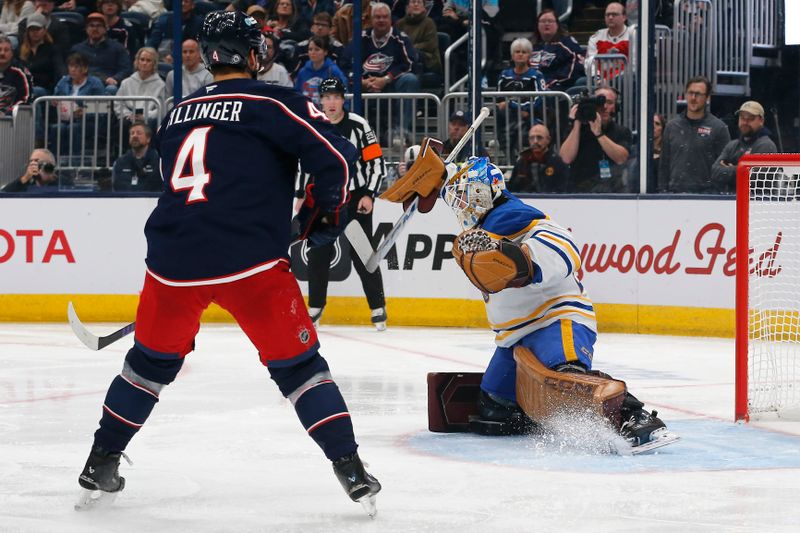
[541, 393]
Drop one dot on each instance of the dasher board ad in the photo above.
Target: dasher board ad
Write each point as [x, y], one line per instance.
[634, 251]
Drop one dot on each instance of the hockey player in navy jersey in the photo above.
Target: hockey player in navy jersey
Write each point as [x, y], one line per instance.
[524, 264]
[221, 233]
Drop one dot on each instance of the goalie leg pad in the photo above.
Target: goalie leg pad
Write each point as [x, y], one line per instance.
[542, 392]
[424, 178]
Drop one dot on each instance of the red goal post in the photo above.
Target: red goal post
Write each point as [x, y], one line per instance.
[768, 287]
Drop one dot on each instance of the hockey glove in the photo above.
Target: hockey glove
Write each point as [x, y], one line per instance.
[493, 265]
[316, 226]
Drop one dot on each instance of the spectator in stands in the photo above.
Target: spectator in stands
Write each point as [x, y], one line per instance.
[272, 72]
[615, 38]
[457, 126]
[514, 115]
[194, 73]
[117, 26]
[321, 27]
[77, 82]
[39, 54]
[161, 32]
[597, 150]
[138, 168]
[342, 29]
[692, 142]
[12, 13]
[257, 12]
[145, 81]
[409, 156]
[319, 67]
[753, 139]
[286, 23]
[555, 54]
[84, 7]
[40, 174]
[108, 60]
[433, 8]
[539, 168]
[58, 31]
[388, 60]
[309, 8]
[151, 8]
[456, 16]
[658, 143]
[423, 34]
[16, 85]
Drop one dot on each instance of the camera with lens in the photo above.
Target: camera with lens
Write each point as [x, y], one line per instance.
[46, 167]
[588, 106]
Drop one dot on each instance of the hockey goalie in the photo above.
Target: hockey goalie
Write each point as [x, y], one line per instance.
[524, 264]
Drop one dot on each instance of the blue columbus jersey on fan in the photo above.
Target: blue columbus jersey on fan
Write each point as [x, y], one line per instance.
[229, 155]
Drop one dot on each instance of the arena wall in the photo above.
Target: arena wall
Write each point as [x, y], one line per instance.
[651, 265]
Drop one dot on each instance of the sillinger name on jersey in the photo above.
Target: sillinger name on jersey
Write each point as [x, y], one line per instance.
[228, 111]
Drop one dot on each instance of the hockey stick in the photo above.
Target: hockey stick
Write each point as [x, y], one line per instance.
[364, 249]
[92, 341]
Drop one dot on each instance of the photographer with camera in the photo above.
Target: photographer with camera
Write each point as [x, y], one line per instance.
[40, 174]
[597, 147]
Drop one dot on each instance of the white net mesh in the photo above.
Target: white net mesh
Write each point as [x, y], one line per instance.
[774, 290]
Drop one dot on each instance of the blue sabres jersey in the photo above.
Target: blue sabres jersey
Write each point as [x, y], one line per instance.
[228, 155]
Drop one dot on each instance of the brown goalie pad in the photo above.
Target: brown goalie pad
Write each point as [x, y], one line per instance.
[424, 178]
[452, 399]
[542, 393]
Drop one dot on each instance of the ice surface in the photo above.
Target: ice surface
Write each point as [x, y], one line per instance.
[223, 451]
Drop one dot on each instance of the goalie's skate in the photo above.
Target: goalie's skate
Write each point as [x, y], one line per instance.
[100, 480]
[645, 432]
[359, 484]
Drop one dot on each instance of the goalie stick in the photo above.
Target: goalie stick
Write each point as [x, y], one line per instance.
[362, 247]
[353, 231]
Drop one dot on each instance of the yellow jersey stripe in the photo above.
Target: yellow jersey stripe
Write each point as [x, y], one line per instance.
[523, 231]
[565, 245]
[560, 312]
[541, 309]
[567, 341]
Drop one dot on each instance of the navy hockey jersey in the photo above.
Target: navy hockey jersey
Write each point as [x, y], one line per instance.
[228, 155]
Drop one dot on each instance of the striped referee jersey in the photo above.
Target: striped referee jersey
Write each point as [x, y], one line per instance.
[370, 166]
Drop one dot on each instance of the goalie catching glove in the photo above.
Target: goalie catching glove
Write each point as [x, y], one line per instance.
[493, 265]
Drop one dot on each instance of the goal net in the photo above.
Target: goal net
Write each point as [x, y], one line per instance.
[768, 287]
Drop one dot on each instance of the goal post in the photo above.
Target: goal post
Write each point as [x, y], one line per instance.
[768, 287]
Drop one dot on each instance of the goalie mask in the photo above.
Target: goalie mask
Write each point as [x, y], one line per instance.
[471, 192]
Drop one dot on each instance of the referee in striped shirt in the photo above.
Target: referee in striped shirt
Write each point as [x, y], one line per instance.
[370, 169]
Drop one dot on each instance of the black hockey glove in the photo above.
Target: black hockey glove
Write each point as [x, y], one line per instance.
[316, 226]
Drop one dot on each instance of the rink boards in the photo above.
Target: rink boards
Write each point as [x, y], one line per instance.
[650, 265]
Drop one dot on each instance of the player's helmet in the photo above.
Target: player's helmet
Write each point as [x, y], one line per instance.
[226, 38]
[472, 190]
[331, 85]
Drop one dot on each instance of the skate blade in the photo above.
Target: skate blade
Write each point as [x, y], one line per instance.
[368, 503]
[661, 438]
[94, 499]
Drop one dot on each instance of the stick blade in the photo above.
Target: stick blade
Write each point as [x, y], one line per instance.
[359, 242]
[91, 341]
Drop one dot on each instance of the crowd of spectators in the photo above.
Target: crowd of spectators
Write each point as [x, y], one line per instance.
[124, 48]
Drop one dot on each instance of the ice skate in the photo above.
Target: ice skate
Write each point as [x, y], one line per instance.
[100, 480]
[645, 432]
[359, 484]
[379, 318]
[499, 416]
[315, 313]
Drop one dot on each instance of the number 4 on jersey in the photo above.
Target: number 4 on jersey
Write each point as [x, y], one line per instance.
[193, 151]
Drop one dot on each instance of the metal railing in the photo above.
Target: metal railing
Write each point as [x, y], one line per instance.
[504, 133]
[734, 51]
[458, 84]
[84, 132]
[613, 70]
[693, 46]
